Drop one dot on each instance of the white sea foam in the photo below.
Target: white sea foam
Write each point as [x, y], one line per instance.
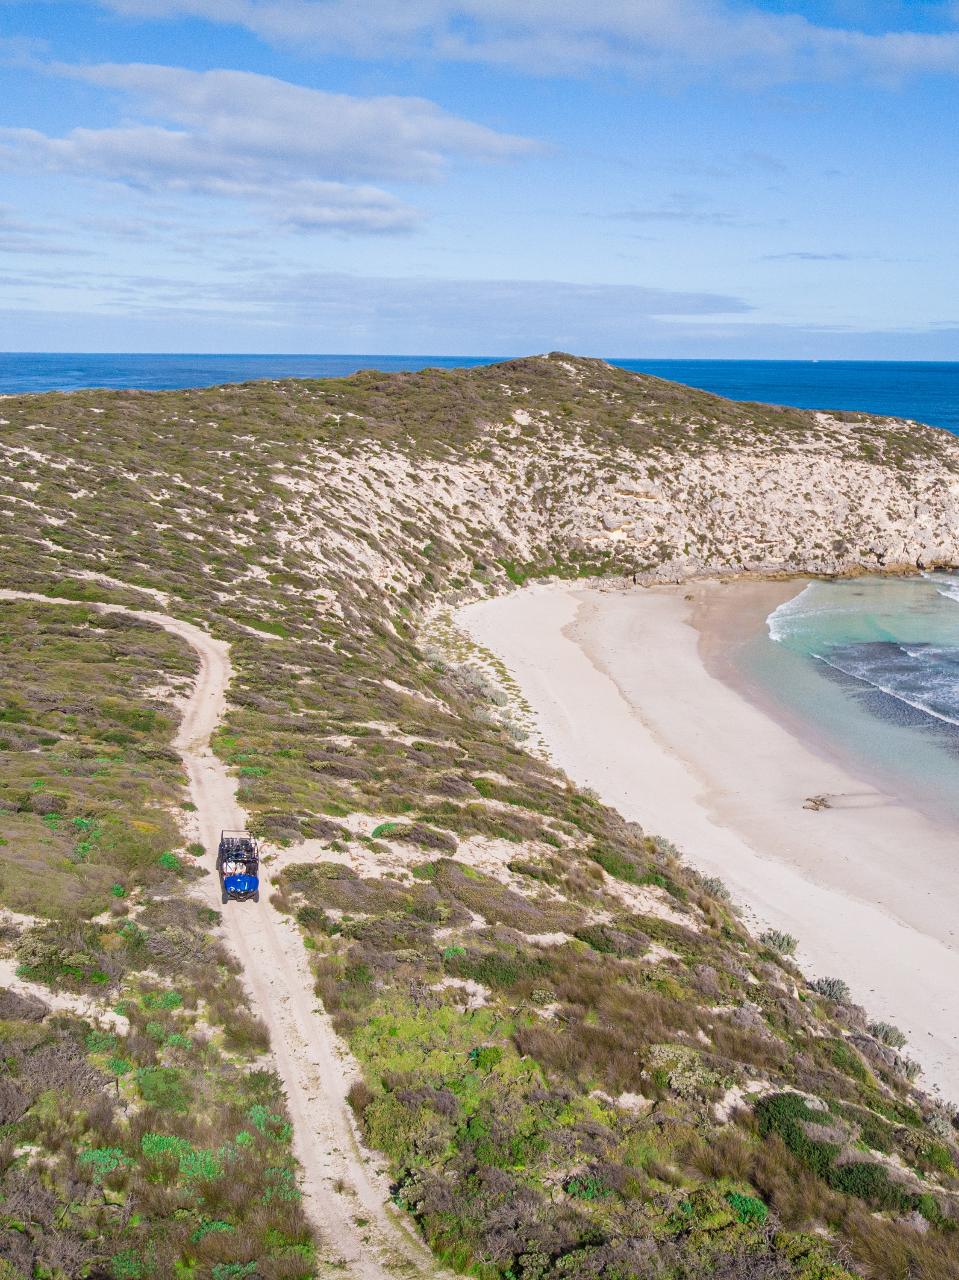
[927, 652]
[778, 621]
[871, 649]
[811, 602]
[909, 699]
[946, 584]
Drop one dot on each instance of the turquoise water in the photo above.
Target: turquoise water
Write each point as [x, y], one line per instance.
[922, 390]
[871, 665]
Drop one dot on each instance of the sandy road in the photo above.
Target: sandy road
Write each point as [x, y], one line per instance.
[361, 1232]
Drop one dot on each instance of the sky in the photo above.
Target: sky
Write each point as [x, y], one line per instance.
[625, 178]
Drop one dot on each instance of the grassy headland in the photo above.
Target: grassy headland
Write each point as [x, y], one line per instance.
[577, 1061]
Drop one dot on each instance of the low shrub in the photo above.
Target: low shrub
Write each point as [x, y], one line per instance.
[784, 943]
[847, 1060]
[164, 1088]
[833, 989]
[587, 1186]
[941, 1121]
[871, 1182]
[616, 942]
[748, 1209]
[715, 887]
[788, 1115]
[485, 1057]
[617, 864]
[887, 1034]
[386, 829]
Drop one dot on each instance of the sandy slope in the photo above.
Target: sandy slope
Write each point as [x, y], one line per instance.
[627, 706]
[361, 1233]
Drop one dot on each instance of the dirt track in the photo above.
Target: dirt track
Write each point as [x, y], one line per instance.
[361, 1233]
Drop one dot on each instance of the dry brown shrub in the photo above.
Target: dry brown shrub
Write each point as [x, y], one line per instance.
[21, 1008]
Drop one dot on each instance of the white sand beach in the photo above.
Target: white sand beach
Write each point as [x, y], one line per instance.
[634, 694]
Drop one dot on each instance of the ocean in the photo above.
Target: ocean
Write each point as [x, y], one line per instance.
[872, 666]
[926, 392]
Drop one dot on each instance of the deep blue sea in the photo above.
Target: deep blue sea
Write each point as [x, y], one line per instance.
[927, 392]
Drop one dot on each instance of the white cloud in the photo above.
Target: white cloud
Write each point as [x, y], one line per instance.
[18, 236]
[690, 207]
[812, 255]
[650, 37]
[304, 153]
[268, 309]
[332, 312]
[253, 116]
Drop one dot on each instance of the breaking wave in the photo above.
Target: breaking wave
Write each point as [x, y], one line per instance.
[780, 622]
[868, 639]
[923, 677]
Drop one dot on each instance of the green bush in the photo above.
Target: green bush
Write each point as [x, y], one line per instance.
[103, 1160]
[485, 1057]
[871, 1182]
[784, 943]
[785, 1114]
[162, 1000]
[616, 864]
[847, 1060]
[887, 1034]
[833, 989]
[127, 1265]
[500, 970]
[163, 1087]
[748, 1209]
[587, 1186]
[192, 1162]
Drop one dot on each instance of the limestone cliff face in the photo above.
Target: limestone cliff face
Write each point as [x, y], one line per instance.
[808, 502]
[738, 510]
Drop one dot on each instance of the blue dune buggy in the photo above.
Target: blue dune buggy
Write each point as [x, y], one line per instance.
[238, 862]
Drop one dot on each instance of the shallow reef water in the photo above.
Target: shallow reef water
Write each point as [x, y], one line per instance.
[873, 664]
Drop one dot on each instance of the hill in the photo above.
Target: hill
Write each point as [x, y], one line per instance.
[575, 1060]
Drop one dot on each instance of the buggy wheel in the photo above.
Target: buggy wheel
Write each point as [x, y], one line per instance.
[256, 895]
[226, 897]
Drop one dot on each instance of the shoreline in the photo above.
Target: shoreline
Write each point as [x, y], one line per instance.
[635, 694]
[723, 629]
